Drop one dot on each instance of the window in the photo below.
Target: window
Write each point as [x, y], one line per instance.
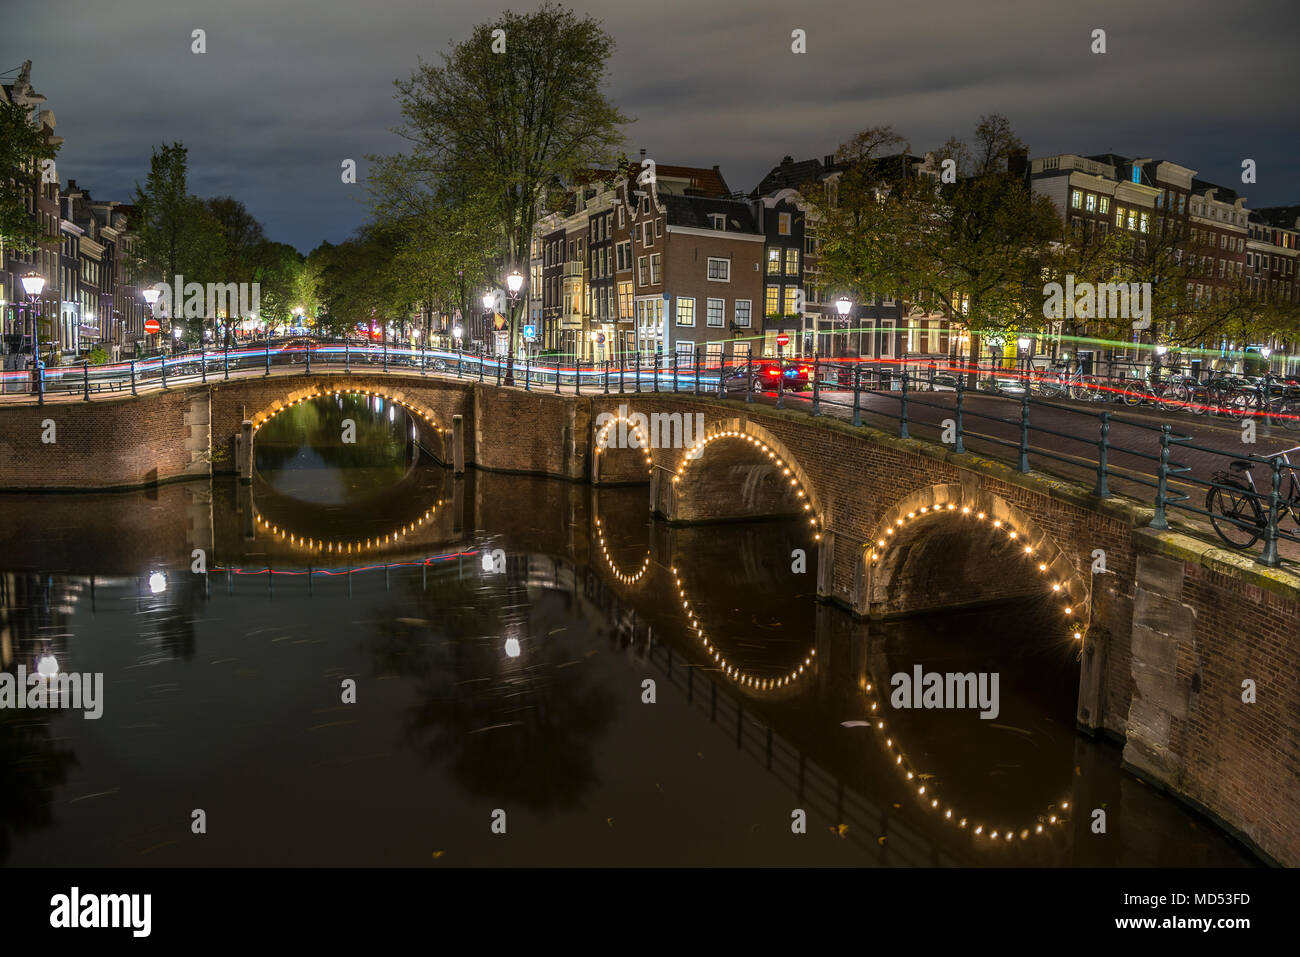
[648, 236]
[792, 262]
[645, 205]
[625, 255]
[742, 312]
[685, 311]
[1076, 199]
[659, 227]
[1182, 200]
[1104, 206]
[1223, 242]
[772, 303]
[655, 259]
[774, 262]
[571, 255]
[717, 221]
[621, 220]
[640, 270]
[783, 224]
[1119, 216]
[792, 300]
[714, 312]
[809, 246]
[1132, 219]
[1145, 222]
[719, 269]
[625, 300]
[1090, 204]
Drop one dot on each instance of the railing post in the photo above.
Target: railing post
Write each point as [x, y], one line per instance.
[1024, 430]
[460, 361]
[225, 360]
[817, 389]
[958, 444]
[268, 355]
[749, 372]
[780, 382]
[1159, 520]
[931, 375]
[1103, 450]
[203, 362]
[347, 357]
[636, 365]
[622, 368]
[676, 357]
[722, 375]
[697, 370]
[557, 375]
[606, 365]
[527, 372]
[162, 365]
[480, 367]
[133, 392]
[85, 378]
[385, 353]
[902, 411]
[577, 376]
[1269, 555]
[424, 359]
[857, 395]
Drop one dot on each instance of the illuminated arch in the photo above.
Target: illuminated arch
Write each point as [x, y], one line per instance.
[601, 443]
[309, 393]
[765, 443]
[994, 515]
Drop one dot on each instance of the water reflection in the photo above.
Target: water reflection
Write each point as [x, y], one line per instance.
[521, 687]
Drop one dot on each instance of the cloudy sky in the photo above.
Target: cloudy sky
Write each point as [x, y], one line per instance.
[288, 89]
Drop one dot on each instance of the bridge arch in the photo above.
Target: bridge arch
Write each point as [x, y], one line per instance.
[738, 469]
[431, 434]
[933, 546]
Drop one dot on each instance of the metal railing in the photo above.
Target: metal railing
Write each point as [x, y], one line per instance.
[1087, 436]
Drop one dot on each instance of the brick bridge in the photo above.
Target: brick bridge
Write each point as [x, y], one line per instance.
[1169, 630]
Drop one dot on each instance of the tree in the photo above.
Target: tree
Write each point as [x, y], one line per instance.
[986, 239]
[504, 116]
[24, 148]
[178, 235]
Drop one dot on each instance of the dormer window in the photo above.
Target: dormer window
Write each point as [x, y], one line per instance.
[718, 221]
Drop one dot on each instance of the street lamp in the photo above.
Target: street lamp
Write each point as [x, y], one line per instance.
[33, 283]
[1023, 345]
[514, 283]
[844, 305]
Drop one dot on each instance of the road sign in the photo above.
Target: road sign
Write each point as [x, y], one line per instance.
[152, 327]
[600, 337]
[783, 340]
[530, 332]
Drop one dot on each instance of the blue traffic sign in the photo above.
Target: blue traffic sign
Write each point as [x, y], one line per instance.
[530, 332]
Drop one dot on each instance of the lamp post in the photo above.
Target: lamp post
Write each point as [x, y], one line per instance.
[33, 283]
[514, 283]
[844, 306]
[1022, 346]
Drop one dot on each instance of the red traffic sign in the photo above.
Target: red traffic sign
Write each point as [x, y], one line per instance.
[152, 327]
[783, 340]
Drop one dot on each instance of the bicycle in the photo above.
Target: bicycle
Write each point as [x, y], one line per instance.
[1272, 402]
[1059, 381]
[1234, 503]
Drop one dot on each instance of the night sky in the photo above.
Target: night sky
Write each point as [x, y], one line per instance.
[288, 89]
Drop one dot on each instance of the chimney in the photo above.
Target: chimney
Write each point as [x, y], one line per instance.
[829, 161]
[643, 152]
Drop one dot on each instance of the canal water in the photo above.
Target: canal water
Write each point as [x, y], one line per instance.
[360, 660]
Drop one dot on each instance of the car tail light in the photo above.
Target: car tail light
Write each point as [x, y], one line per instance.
[773, 372]
[806, 370]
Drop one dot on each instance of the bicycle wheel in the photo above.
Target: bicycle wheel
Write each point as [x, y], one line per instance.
[1235, 514]
[1287, 412]
[1134, 393]
[1239, 406]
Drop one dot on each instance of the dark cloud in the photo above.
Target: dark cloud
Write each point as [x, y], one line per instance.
[289, 89]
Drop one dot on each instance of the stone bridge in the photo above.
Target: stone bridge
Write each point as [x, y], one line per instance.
[1171, 633]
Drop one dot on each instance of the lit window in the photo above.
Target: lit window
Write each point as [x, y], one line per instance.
[1105, 205]
[791, 300]
[685, 311]
[1076, 198]
[792, 262]
[783, 224]
[1090, 204]
[772, 301]
[774, 262]
[742, 312]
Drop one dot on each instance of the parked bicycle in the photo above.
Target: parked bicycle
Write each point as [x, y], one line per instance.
[1238, 510]
[1060, 382]
[1270, 398]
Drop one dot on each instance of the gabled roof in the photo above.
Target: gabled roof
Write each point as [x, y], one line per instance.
[1283, 217]
[700, 181]
[1223, 193]
[694, 211]
[789, 174]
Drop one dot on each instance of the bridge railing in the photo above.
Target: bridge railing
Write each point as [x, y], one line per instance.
[1152, 460]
